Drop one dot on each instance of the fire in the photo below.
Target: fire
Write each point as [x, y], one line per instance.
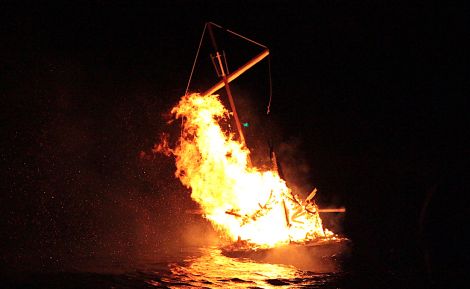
[242, 202]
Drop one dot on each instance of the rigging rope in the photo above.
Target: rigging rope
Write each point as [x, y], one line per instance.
[270, 86]
[195, 59]
[243, 37]
[236, 34]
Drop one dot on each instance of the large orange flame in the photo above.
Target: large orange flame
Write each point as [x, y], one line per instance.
[242, 202]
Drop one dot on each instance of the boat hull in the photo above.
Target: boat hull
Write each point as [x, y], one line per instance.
[318, 256]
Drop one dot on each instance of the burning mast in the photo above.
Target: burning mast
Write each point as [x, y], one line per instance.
[241, 201]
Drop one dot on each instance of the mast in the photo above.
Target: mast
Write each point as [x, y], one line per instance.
[221, 71]
[226, 78]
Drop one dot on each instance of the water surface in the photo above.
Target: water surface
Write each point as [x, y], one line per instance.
[203, 267]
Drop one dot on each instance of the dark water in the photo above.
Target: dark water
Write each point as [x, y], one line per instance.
[207, 267]
[200, 268]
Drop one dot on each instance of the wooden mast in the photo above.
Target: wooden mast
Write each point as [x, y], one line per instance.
[221, 71]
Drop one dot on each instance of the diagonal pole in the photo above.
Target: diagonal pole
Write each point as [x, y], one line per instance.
[227, 89]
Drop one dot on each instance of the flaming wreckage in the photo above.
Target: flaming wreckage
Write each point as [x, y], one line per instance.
[252, 207]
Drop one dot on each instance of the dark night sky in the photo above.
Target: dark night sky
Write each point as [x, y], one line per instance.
[369, 99]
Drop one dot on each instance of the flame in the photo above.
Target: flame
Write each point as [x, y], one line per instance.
[242, 202]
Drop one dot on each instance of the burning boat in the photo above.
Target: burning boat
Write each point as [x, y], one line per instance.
[251, 207]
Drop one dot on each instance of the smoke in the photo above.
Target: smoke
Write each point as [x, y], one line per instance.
[198, 232]
[264, 133]
[324, 258]
[295, 167]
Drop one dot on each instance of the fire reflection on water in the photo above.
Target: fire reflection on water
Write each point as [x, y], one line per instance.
[214, 270]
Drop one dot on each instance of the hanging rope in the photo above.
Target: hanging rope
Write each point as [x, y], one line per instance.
[270, 86]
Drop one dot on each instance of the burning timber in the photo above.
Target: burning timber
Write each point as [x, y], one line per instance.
[252, 207]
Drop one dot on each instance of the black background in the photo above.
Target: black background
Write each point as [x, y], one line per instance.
[369, 105]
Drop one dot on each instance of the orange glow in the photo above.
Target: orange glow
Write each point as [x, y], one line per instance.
[242, 202]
